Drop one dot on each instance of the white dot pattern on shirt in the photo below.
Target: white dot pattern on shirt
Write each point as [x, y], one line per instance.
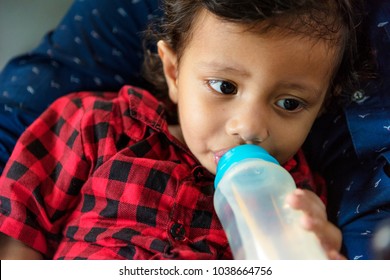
[79, 41]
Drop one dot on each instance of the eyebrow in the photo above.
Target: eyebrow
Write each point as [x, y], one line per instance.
[301, 87]
[222, 67]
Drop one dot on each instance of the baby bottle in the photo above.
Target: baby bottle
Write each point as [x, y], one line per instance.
[249, 199]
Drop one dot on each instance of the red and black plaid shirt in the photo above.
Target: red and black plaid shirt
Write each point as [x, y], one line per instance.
[98, 176]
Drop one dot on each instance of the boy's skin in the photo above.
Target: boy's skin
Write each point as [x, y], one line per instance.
[274, 86]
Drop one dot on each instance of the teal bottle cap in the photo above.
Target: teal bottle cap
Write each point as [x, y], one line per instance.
[238, 154]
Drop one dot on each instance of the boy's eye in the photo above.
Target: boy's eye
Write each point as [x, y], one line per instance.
[289, 104]
[223, 87]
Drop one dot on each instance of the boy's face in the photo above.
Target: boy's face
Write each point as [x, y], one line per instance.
[234, 86]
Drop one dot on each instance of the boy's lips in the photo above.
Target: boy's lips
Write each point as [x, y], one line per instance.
[219, 154]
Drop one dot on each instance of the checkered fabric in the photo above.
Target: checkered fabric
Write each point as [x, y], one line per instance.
[98, 176]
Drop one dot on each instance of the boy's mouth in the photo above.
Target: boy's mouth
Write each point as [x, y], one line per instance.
[219, 154]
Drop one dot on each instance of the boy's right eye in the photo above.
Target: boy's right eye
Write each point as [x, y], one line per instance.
[222, 87]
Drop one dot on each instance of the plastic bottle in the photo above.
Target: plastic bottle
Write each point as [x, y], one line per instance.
[249, 200]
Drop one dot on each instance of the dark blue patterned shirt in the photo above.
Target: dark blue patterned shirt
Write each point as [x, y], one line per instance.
[350, 146]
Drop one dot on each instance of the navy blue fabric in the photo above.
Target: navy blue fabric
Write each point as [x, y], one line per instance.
[97, 46]
[350, 146]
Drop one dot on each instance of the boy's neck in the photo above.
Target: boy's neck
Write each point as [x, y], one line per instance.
[175, 130]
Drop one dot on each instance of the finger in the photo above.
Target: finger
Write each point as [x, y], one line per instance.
[314, 218]
[328, 234]
[308, 202]
[334, 255]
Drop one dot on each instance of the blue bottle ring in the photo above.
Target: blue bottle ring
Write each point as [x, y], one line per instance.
[238, 154]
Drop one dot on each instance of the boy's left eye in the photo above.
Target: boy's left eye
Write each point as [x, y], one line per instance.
[290, 104]
[223, 87]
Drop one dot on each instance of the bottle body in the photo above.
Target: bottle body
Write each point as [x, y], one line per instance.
[250, 202]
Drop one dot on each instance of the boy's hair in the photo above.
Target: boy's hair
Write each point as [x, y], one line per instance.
[331, 20]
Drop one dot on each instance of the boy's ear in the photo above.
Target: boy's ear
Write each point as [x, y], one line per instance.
[169, 60]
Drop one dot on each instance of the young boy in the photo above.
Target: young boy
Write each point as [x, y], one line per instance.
[105, 176]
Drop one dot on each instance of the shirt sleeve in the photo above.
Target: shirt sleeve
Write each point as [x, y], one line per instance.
[42, 180]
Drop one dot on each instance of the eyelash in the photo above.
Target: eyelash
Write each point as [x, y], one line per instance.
[298, 103]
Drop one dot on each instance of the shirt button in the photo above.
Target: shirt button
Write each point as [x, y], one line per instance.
[177, 231]
[198, 173]
[358, 95]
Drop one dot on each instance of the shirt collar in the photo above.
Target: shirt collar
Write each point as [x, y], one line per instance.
[144, 107]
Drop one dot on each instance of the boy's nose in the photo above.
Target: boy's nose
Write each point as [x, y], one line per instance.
[250, 125]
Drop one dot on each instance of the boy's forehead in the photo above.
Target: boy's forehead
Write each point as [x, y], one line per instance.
[284, 26]
[206, 22]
